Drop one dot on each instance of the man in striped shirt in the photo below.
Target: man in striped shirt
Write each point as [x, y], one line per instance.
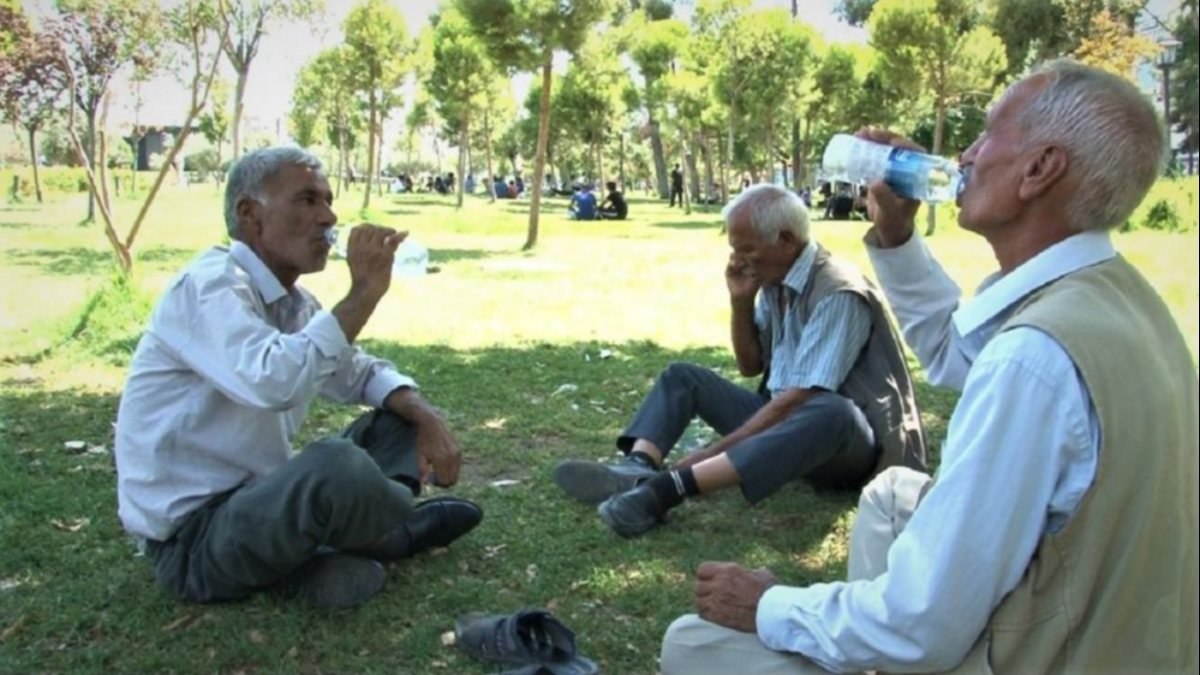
[835, 405]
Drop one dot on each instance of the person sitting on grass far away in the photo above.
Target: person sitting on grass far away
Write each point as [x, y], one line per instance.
[583, 204]
[614, 206]
[1060, 533]
[835, 405]
[234, 354]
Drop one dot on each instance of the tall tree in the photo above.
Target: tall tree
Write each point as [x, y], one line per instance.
[1037, 30]
[522, 33]
[655, 45]
[99, 37]
[323, 101]
[214, 123]
[1113, 46]
[459, 79]
[1185, 109]
[496, 114]
[249, 21]
[939, 48]
[33, 85]
[854, 12]
[191, 27]
[378, 44]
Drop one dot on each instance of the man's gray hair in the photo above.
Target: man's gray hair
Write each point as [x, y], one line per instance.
[255, 168]
[1113, 136]
[771, 209]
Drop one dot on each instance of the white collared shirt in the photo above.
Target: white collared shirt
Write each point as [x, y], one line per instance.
[1020, 453]
[221, 381]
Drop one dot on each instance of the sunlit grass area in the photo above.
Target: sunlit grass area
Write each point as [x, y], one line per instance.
[492, 337]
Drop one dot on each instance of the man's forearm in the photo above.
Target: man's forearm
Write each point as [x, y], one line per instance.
[744, 335]
[353, 312]
[410, 406]
[767, 416]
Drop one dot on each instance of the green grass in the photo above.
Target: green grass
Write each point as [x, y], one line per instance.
[491, 338]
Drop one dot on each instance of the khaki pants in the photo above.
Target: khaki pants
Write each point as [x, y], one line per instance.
[693, 646]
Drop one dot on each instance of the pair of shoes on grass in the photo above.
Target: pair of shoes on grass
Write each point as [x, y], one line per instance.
[624, 501]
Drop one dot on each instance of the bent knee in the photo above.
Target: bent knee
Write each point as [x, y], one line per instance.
[892, 485]
[337, 461]
[679, 642]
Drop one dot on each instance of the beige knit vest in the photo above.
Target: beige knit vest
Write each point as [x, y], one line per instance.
[1116, 590]
[879, 382]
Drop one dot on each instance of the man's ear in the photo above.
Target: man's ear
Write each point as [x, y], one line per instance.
[248, 222]
[789, 239]
[1043, 171]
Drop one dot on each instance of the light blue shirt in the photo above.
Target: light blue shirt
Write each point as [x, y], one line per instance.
[1020, 453]
[221, 380]
[813, 354]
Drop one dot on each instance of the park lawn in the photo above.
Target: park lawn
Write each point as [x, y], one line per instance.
[493, 338]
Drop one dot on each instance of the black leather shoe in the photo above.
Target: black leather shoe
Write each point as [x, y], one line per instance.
[434, 523]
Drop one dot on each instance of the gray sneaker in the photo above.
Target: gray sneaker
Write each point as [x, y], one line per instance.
[336, 580]
[593, 482]
[632, 513]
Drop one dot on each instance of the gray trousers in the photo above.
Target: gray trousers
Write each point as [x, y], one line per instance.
[343, 493]
[826, 441]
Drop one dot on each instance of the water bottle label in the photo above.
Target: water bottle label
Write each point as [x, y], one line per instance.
[905, 169]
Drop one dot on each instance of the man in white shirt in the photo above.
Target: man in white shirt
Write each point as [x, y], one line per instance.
[234, 353]
[1067, 154]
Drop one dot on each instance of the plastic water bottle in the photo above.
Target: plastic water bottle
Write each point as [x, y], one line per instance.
[910, 174]
[412, 259]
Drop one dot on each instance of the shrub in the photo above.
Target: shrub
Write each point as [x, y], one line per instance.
[1162, 217]
[1169, 207]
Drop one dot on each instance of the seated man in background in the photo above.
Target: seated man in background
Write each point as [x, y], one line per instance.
[614, 206]
[836, 403]
[1060, 534]
[234, 354]
[583, 204]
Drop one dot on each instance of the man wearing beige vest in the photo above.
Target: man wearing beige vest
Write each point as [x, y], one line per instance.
[1060, 534]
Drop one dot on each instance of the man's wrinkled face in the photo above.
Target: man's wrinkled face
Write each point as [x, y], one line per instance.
[995, 163]
[288, 231]
[767, 262]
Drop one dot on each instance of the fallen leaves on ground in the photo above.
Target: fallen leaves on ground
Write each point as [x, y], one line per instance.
[72, 525]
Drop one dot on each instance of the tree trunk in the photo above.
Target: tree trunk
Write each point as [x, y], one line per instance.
[621, 164]
[341, 156]
[660, 160]
[487, 150]
[102, 153]
[723, 166]
[600, 165]
[730, 131]
[539, 162]
[939, 123]
[238, 94]
[370, 148]
[463, 142]
[91, 158]
[379, 158]
[706, 158]
[37, 182]
[798, 169]
[689, 157]
[770, 140]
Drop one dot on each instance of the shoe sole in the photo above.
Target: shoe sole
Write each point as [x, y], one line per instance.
[591, 482]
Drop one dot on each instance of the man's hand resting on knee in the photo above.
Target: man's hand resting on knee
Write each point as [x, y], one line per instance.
[727, 594]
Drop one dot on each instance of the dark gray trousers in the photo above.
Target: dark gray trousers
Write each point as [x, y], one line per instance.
[826, 441]
[343, 493]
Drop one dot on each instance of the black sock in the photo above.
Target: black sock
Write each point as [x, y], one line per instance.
[672, 487]
[643, 458]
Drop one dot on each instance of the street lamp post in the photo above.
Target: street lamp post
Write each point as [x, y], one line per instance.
[1166, 60]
